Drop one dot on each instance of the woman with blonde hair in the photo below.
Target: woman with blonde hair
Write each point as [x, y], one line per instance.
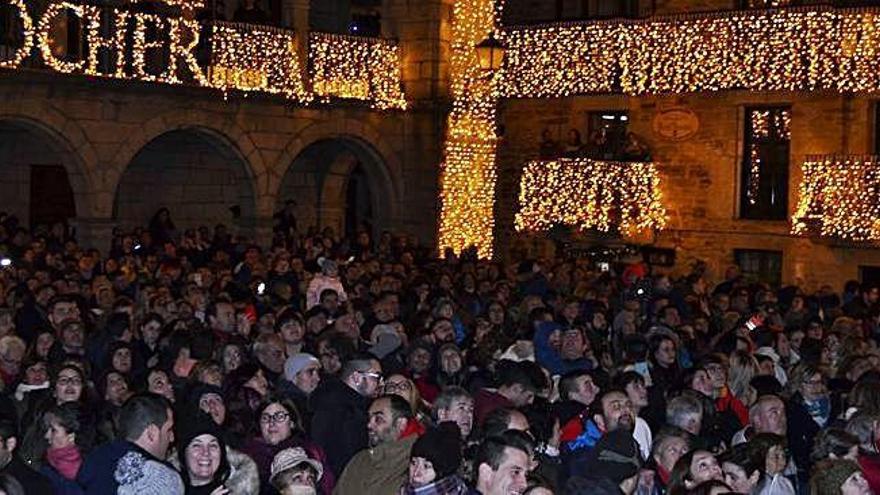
[743, 367]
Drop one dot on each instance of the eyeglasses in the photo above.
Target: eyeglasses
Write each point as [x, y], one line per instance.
[373, 374]
[403, 386]
[279, 417]
[69, 380]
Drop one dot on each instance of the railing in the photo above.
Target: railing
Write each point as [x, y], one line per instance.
[356, 67]
[839, 198]
[589, 194]
[123, 42]
[818, 48]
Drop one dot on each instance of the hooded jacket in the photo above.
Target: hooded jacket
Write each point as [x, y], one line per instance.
[339, 424]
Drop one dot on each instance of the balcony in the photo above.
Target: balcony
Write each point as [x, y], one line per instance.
[808, 48]
[590, 195]
[839, 199]
[123, 42]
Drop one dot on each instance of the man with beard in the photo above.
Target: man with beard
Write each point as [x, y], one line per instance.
[339, 424]
[613, 411]
[382, 468]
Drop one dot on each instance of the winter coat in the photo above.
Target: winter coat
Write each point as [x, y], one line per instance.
[380, 470]
[60, 484]
[339, 424]
[244, 477]
[801, 433]
[550, 358]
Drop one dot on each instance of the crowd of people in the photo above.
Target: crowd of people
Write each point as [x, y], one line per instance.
[196, 362]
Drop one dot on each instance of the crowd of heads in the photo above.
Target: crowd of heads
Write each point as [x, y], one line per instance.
[197, 361]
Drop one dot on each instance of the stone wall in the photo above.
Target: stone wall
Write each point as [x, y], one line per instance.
[103, 128]
[701, 174]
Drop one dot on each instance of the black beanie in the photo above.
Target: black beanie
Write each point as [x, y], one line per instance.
[441, 446]
[191, 426]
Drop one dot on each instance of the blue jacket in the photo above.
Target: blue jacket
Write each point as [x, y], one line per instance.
[549, 358]
[60, 484]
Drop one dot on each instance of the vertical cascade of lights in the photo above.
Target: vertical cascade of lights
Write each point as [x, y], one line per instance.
[354, 67]
[765, 124]
[839, 196]
[467, 174]
[590, 194]
[256, 58]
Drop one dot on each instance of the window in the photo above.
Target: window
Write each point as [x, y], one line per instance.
[604, 9]
[869, 274]
[759, 265]
[606, 136]
[876, 146]
[764, 180]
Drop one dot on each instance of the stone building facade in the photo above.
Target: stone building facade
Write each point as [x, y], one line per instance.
[128, 148]
[702, 174]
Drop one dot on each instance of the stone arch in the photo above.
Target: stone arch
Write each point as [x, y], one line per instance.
[380, 163]
[68, 140]
[209, 124]
[204, 173]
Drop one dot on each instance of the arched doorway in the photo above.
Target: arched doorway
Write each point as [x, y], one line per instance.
[42, 179]
[198, 174]
[341, 183]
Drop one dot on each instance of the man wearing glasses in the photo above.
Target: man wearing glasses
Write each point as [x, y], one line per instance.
[339, 424]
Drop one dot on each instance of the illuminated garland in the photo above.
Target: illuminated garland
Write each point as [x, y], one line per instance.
[586, 65]
[467, 175]
[764, 125]
[358, 68]
[588, 194]
[839, 197]
[28, 36]
[256, 58]
[248, 58]
[817, 48]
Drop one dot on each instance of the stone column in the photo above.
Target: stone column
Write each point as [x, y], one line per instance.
[94, 232]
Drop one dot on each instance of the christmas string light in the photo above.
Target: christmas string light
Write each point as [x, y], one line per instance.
[44, 36]
[243, 57]
[813, 48]
[354, 67]
[588, 194]
[467, 174]
[765, 124]
[114, 45]
[27, 36]
[839, 196]
[256, 58]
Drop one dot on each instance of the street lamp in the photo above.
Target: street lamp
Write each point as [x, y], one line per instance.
[491, 53]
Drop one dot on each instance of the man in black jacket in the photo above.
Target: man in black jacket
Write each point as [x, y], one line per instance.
[10, 464]
[339, 424]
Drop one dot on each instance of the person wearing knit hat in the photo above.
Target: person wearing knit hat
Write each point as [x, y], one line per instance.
[209, 399]
[202, 453]
[615, 457]
[302, 370]
[838, 477]
[434, 462]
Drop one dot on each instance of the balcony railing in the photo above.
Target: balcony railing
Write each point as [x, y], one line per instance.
[813, 48]
[839, 198]
[586, 194]
[123, 42]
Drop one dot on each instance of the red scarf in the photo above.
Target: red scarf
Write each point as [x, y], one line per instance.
[65, 460]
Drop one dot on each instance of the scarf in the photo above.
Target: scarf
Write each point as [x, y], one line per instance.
[65, 460]
[450, 485]
[819, 410]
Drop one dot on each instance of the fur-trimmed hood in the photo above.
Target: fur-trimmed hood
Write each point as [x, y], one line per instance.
[244, 478]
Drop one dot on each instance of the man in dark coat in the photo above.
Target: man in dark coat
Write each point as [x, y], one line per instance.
[11, 464]
[339, 424]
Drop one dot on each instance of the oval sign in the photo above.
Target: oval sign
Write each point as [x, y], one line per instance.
[676, 124]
